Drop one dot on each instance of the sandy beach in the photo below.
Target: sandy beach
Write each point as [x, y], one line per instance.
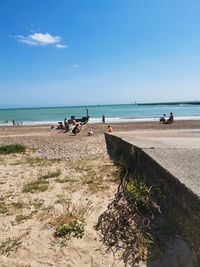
[59, 176]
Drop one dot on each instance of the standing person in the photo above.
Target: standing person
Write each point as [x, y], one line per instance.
[66, 125]
[110, 129]
[103, 118]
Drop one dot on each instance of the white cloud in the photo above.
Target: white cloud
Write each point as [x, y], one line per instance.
[41, 39]
[61, 46]
[75, 66]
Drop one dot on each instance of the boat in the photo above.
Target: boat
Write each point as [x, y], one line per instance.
[82, 120]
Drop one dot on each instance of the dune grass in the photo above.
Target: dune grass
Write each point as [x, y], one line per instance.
[36, 186]
[10, 149]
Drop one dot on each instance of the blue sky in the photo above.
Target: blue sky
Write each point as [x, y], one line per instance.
[81, 52]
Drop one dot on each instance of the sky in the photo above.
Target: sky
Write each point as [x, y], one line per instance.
[85, 52]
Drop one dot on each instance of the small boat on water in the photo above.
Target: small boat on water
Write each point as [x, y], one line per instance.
[82, 120]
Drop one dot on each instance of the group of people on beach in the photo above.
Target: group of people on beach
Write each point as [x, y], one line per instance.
[72, 126]
[163, 119]
[68, 125]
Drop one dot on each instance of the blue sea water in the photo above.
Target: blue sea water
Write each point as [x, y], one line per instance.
[113, 113]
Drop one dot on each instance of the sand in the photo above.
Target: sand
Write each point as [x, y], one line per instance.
[84, 180]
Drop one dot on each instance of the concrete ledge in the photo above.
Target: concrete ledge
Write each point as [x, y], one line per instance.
[179, 202]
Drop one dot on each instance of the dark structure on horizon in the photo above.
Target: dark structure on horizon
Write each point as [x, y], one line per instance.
[171, 103]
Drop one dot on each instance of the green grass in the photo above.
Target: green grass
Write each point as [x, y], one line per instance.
[72, 229]
[10, 149]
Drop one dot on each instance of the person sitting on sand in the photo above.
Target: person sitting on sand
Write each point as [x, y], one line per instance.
[60, 126]
[163, 119]
[76, 129]
[74, 122]
[171, 118]
[110, 129]
[90, 133]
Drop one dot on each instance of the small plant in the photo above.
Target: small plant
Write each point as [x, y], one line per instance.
[70, 213]
[138, 193]
[36, 186]
[72, 229]
[10, 149]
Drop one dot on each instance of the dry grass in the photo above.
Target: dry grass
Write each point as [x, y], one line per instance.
[69, 212]
[94, 175]
[52, 174]
[35, 161]
[3, 207]
[39, 185]
[22, 217]
[9, 245]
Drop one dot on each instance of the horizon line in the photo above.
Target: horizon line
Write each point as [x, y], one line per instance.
[195, 102]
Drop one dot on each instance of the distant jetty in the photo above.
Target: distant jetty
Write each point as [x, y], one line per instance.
[170, 103]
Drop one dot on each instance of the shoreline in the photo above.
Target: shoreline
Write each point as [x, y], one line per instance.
[108, 121]
[99, 121]
[135, 124]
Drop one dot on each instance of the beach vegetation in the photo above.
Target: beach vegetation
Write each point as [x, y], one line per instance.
[23, 217]
[125, 225]
[37, 161]
[80, 165]
[61, 181]
[39, 185]
[71, 229]
[50, 175]
[18, 205]
[95, 174]
[68, 221]
[13, 148]
[3, 207]
[67, 179]
[138, 194]
[8, 194]
[70, 212]
[9, 245]
[38, 204]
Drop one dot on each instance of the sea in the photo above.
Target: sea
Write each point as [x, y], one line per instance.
[113, 113]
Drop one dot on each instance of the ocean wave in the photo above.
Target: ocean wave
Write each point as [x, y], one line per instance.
[99, 120]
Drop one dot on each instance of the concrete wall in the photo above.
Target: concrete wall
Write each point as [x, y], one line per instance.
[179, 203]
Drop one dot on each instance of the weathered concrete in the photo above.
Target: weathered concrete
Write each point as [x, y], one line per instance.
[170, 161]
